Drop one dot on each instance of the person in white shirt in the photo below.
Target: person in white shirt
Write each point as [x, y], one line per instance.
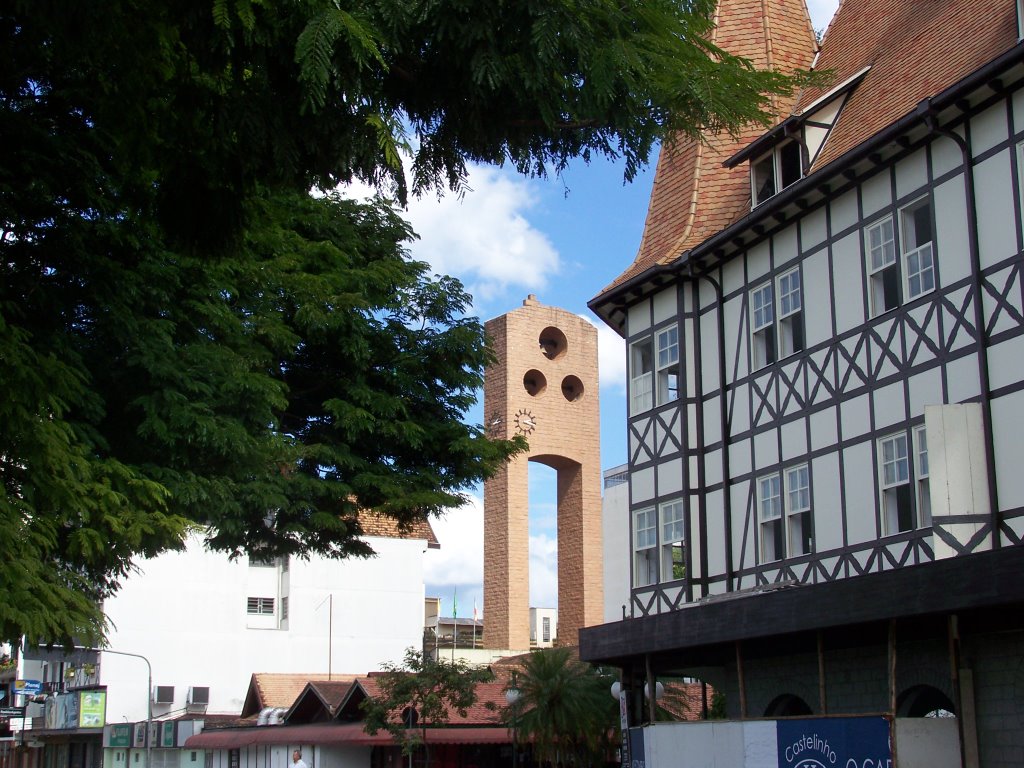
[297, 761]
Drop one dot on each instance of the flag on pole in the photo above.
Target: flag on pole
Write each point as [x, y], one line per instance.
[455, 602]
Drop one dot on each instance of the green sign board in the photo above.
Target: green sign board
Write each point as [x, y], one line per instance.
[167, 734]
[92, 709]
[121, 735]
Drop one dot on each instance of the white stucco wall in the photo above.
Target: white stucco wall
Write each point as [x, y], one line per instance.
[615, 532]
[186, 612]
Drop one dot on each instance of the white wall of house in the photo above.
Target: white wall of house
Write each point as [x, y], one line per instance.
[543, 627]
[615, 538]
[812, 416]
[187, 612]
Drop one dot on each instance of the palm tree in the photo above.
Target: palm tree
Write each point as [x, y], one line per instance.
[563, 708]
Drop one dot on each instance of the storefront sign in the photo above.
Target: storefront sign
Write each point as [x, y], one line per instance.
[835, 742]
[121, 735]
[92, 709]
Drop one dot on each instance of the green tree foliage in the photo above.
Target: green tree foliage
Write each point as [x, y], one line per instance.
[188, 339]
[564, 708]
[418, 694]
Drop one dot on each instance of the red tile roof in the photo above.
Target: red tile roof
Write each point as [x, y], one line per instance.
[915, 49]
[694, 196]
[281, 689]
[376, 524]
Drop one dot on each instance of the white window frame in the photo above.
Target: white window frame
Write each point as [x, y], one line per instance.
[762, 325]
[893, 475]
[773, 157]
[798, 510]
[790, 312]
[894, 252]
[667, 364]
[641, 383]
[771, 525]
[645, 547]
[921, 474]
[922, 252]
[673, 540]
[889, 259]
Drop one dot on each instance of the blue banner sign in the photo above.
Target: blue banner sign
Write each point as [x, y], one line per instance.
[636, 748]
[834, 742]
[27, 687]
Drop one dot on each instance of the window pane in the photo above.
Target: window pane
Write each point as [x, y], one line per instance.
[644, 529]
[763, 173]
[895, 469]
[922, 452]
[641, 382]
[672, 522]
[668, 347]
[789, 293]
[771, 497]
[762, 300]
[881, 244]
[798, 489]
[920, 270]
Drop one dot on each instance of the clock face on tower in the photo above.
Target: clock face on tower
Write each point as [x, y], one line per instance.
[526, 422]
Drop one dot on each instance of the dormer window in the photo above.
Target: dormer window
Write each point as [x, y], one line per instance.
[774, 171]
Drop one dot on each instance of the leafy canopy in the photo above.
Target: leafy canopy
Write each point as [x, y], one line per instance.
[188, 339]
[420, 693]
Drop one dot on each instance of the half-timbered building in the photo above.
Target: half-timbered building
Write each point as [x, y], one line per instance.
[825, 340]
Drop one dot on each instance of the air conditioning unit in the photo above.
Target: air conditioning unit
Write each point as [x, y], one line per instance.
[199, 695]
[163, 694]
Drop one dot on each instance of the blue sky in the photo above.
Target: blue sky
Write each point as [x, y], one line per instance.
[563, 239]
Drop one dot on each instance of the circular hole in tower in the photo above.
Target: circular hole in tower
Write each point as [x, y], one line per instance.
[572, 388]
[534, 382]
[552, 343]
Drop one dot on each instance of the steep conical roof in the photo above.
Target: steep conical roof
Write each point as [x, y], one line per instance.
[694, 195]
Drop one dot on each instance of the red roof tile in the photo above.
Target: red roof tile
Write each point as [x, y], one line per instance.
[280, 689]
[693, 195]
[376, 524]
[915, 49]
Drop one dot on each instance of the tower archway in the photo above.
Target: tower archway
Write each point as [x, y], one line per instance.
[543, 386]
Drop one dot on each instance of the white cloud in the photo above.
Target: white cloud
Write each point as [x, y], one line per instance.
[458, 564]
[543, 572]
[460, 560]
[611, 360]
[483, 237]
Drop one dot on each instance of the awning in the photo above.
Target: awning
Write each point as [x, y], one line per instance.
[323, 734]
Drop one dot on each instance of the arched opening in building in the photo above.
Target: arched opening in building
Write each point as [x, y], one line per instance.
[543, 537]
[787, 705]
[924, 701]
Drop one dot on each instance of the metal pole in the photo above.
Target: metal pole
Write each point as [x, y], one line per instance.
[149, 695]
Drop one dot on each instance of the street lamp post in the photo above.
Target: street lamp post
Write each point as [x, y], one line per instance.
[149, 695]
[512, 697]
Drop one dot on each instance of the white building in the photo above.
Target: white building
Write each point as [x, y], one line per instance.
[206, 623]
[615, 541]
[825, 337]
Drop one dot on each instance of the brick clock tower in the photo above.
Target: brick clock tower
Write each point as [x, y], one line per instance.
[543, 386]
